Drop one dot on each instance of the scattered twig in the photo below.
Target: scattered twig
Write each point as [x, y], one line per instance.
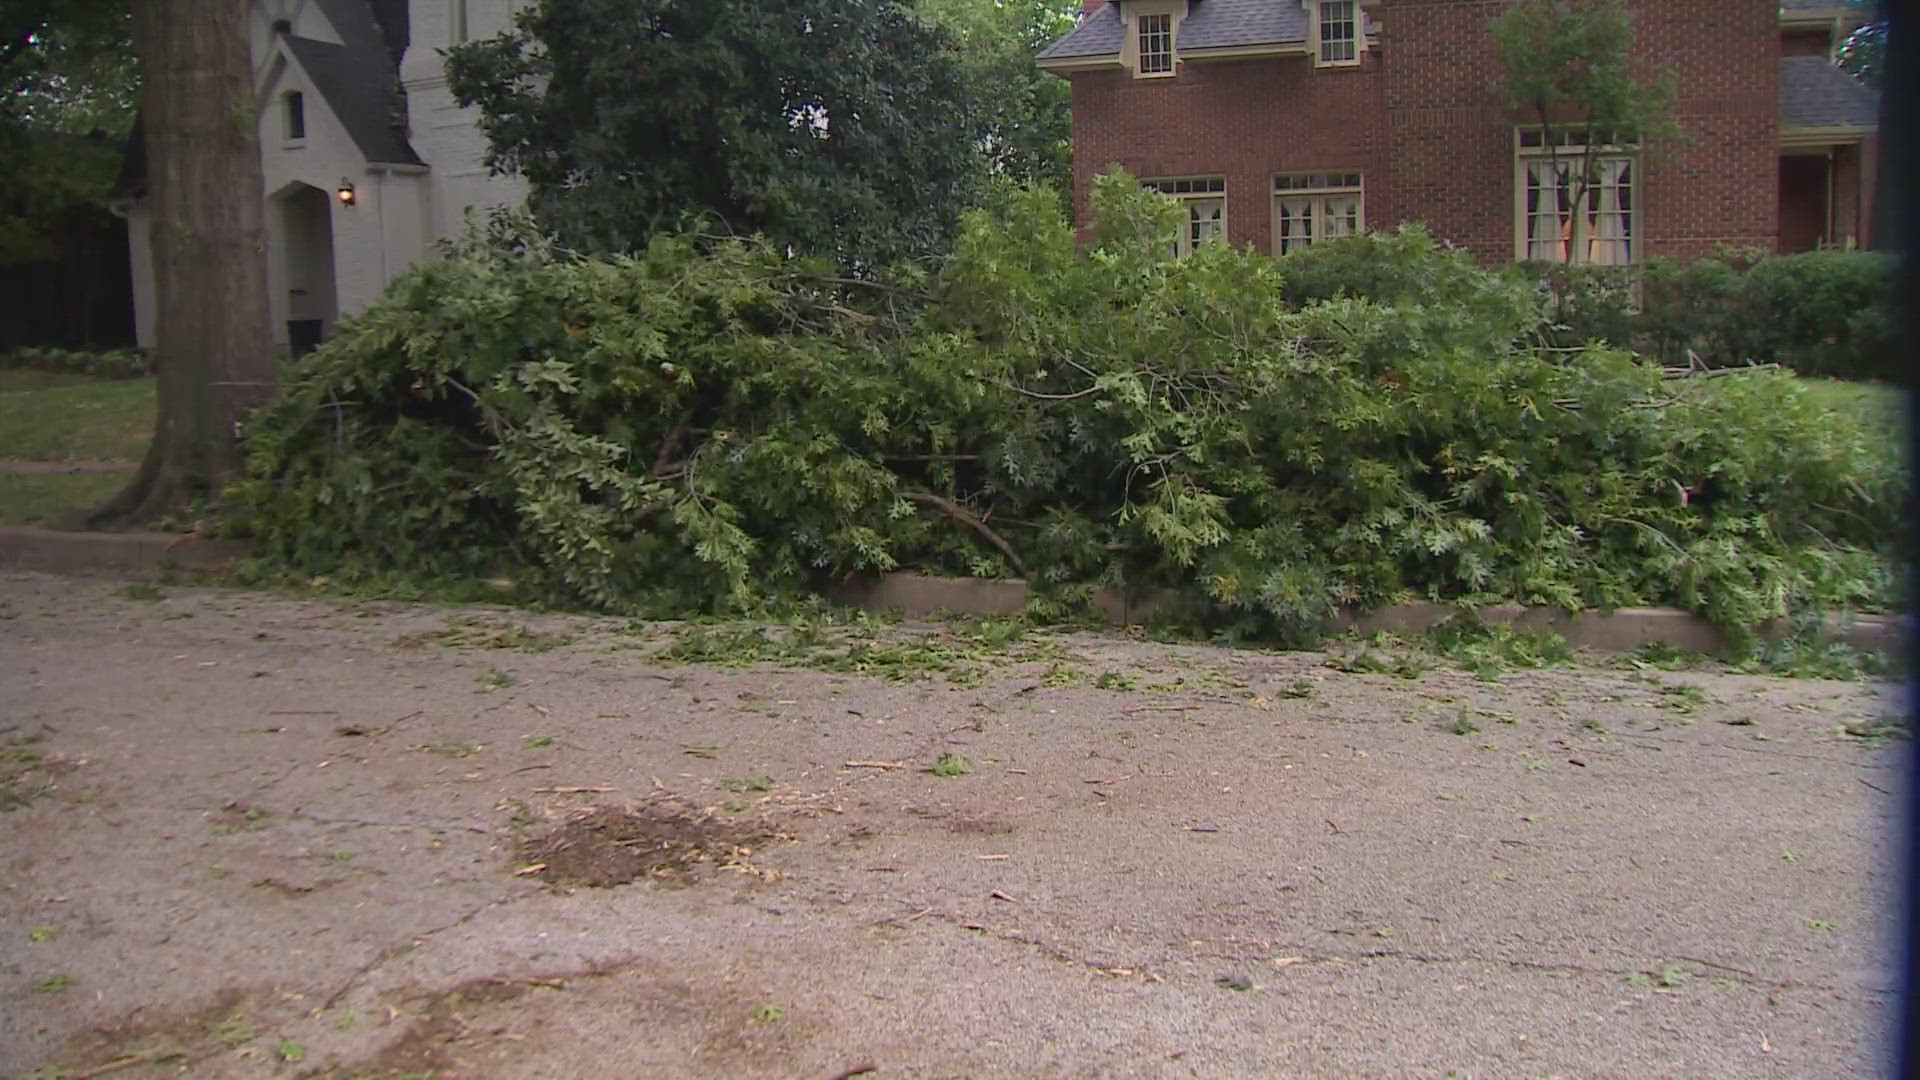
[1873, 785]
[998, 895]
[971, 521]
[504, 980]
[591, 789]
[991, 858]
[876, 765]
[303, 712]
[128, 1062]
[861, 1069]
[1755, 976]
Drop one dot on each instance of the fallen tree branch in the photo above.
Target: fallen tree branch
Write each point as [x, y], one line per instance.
[965, 517]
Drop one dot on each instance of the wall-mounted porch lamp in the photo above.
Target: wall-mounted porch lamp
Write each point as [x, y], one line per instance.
[346, 193]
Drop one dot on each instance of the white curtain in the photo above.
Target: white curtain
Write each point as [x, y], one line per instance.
[1204, 218]
[1549, 227]
[1609, 241]
[1296, 224]
[1343, 215]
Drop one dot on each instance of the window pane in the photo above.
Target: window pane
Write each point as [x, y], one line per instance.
[1338, 41]
[1205, 219]
[1549, 206]
[1609, 205]
[1342, 214]
[1295, 219]
[296, 115]
[1156, 43]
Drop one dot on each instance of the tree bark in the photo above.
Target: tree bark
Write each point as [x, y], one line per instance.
[213, 341]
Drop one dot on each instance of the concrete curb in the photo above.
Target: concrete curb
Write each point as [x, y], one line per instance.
[921, 596]
[45, 549]
[1622, 630]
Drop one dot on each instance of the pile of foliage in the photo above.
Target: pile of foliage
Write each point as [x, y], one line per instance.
[708, 425]
[109, 364]
[1824, 313]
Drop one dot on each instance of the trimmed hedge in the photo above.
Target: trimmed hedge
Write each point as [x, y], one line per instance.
[1822, 313]
[113, 364]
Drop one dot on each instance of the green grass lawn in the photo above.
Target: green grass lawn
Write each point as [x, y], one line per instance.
[53, 499]
[47, 417]
[1874, 399]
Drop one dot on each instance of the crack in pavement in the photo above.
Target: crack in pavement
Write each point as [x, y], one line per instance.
[1739, 975]
[416, 940]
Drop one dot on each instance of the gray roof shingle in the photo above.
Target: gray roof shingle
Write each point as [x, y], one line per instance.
[1815, 93]
[363, 90]
[1097, 35]
[1209, 24]
[1220, 24]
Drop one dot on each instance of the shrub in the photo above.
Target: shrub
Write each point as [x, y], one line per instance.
[711, 427]
[1822, 313]
[112, 364]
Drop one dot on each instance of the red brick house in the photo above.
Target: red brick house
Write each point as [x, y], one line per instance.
[1283, 121]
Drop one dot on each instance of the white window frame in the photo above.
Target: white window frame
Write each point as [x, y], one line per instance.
[1193, 192]
[1321, 192]
[1136, 10]
[1612, 234]
[1352, 48]
[293, 106]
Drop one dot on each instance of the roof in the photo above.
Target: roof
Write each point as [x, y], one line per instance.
[1816, 93]
[359, 78]
[1209, 24]
[362, 88]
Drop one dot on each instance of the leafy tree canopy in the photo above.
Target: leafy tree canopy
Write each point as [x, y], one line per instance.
[67, 88]
[67, 65]
[1025, 113]
[1568, 62]
[840, 128]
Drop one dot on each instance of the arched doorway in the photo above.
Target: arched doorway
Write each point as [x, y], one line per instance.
[306, 260]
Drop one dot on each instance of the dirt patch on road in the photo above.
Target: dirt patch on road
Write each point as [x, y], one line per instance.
[27, 772]
[605, 846]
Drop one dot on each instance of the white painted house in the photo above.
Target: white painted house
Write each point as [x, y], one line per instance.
[367, 159]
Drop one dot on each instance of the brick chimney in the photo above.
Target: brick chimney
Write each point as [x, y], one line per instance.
[1088, 7]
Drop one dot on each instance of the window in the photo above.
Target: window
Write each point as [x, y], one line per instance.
[1206, 203]
[459, 21]
[1576, 198]
[1156, 44]
[296, 115]
[1315, 206]
[1339, 32]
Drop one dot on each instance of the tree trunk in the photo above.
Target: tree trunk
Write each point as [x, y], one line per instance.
[213, 342]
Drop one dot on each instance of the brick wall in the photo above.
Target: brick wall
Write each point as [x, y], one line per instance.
[1243, 120]
[1423, 119]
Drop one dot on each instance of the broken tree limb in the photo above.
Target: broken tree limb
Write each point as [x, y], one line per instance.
[970, 520]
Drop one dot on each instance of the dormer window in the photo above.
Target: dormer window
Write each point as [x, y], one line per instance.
[1338, 31]
[1155, 33]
